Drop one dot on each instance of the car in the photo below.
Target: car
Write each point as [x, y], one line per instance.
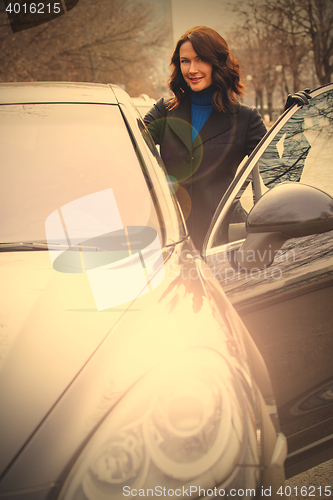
[270, 246]
[125, 370]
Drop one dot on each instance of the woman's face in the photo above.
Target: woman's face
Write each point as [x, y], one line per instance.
[196, 72]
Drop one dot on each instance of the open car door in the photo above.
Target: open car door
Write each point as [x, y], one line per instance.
[282, 286]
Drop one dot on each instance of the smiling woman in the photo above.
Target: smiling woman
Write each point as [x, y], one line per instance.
[203, 131]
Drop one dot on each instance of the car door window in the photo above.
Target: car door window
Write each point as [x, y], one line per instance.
[301, 150]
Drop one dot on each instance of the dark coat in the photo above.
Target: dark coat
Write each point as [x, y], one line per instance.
[206, 167]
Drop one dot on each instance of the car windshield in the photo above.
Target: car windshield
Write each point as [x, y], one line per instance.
[69, 169]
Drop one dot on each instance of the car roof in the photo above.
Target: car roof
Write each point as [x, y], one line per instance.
[59, 92]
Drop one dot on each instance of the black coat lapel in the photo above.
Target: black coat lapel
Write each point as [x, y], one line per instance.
[218, 123]
[179, 120]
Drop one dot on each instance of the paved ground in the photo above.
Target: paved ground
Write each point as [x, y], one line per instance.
[313, 482]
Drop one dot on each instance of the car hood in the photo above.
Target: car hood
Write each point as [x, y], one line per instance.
[61, 368]
[49, 329]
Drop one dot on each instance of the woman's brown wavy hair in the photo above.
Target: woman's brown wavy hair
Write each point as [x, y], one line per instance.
[211, 48]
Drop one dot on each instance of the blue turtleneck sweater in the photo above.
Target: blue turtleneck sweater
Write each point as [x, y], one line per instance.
[201, 108]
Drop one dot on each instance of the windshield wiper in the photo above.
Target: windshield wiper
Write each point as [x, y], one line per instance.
[23, 246]
[27, 246]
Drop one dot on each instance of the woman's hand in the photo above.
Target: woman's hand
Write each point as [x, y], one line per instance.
[300, 98]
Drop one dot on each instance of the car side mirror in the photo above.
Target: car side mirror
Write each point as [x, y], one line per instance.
[289, 210]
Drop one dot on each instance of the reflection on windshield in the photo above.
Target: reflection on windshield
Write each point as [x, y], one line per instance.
[53, 154]
[128, 260]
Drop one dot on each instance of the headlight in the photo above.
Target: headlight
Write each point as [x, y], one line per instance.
[181, 424]
[188, 428]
